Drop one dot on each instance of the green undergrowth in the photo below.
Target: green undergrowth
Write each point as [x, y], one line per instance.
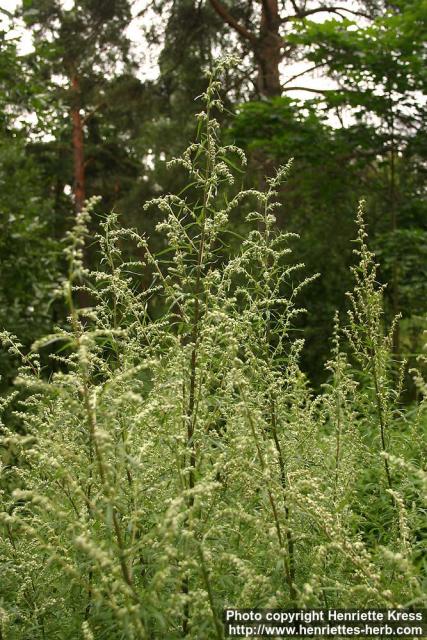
[176, 465]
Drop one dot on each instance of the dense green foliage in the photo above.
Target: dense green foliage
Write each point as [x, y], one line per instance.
[364, 138]
[179, 463]
[218, 397]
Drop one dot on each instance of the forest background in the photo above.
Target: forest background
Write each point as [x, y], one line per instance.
[82, 114]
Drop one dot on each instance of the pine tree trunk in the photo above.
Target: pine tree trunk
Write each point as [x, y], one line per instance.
[268, 50]
[78, 146]
[266, 45]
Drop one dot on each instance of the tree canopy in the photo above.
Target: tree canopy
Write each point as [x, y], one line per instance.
[82, 121]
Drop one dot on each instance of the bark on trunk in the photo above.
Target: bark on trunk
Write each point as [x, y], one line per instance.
[268, 50]
[266, 45]
[78, 146]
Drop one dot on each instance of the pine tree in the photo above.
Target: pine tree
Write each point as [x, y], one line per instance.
[80, 50]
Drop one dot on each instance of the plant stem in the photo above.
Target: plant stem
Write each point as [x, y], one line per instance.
[271, 499]
[218, 626]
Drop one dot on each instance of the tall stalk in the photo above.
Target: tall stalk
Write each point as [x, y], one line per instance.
[75, 254]
[206, 146]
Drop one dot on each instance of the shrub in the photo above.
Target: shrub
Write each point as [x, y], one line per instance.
[180, 463]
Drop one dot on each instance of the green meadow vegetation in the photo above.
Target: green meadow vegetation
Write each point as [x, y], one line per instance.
[165, 452]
